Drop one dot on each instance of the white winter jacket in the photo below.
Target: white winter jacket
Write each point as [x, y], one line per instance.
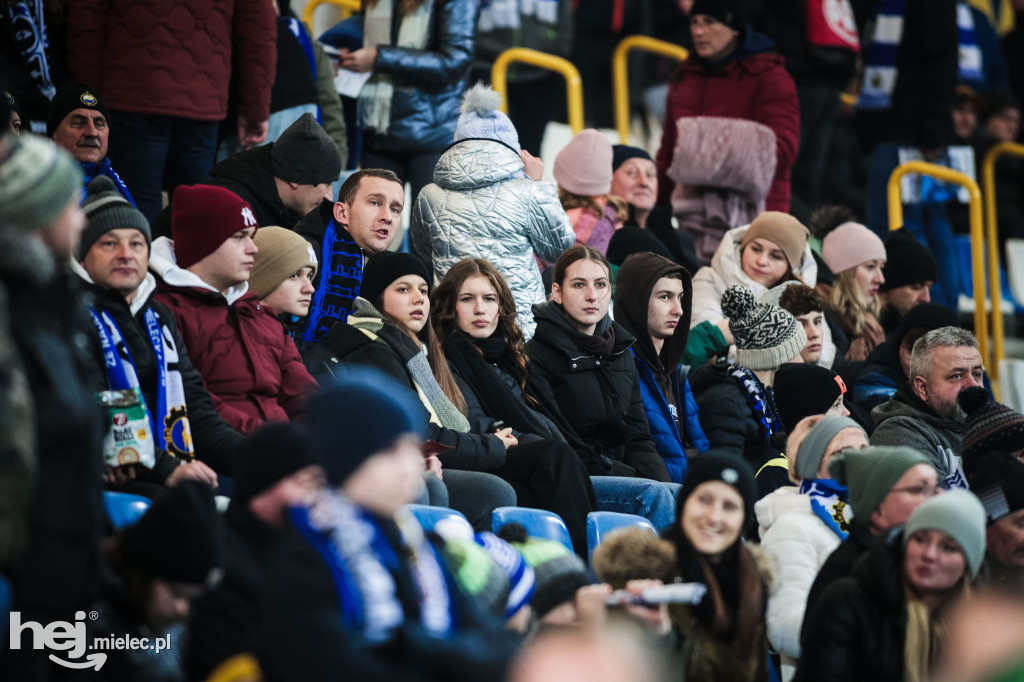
[798, 542]
[482, 205]
[725, 270]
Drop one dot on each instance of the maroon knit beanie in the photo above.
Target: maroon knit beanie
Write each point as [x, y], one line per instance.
[203, 217]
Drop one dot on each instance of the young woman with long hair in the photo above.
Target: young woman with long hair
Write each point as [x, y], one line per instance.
[475, 317]
[886, 621]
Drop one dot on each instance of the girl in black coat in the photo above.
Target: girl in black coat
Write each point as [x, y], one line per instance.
[885, 621]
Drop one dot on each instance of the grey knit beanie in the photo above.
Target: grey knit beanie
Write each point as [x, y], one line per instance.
[37, 181]
[107, 210]
[871, 473]
[766, 335]
[960, 515]
[815, 444]
[305, 154]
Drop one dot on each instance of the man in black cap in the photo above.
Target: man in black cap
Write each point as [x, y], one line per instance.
[282, 181]
[153, 572]
[910, 273]
[192, 440]
[998, 482]
[80, 123]
[275, 470]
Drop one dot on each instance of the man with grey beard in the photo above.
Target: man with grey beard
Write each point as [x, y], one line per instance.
[924, 413]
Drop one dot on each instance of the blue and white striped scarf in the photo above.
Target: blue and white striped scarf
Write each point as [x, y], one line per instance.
[885, 32]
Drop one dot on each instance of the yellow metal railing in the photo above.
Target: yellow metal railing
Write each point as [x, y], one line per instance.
[348, 7]
[977, 241]
[573, 82]
[620, 74]
[988, 181]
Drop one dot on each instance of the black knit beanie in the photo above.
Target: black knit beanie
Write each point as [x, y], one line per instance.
[633, 239]
[622, 153]
[269, 455]
[178, 538]
[384, 268]
[71, 96]
[305, 154]
[908, 261]
[802, 390]
[729, 12]
[991, 426]
[928, 316]
[105, 210]
[998, 481]
[719, 467]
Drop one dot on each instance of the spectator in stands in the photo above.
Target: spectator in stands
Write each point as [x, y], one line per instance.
[14, 119]
[574, 655]
[999, 121]
[275, 470]
[356, 585]
[800, 527]
[80, 123]
[737, 406]
[999, 483]
[802, 389]
[52, 462]
[883, 622]
[771, 250]
[249, 363]
[924, 413]
[885, 486]
[992, 428]
[724, 635]
[653, 299]
[856, 256]
[910, 77]
[166, 78]
[888, 365]
[732, 123]
[584, 374]
[488, 201]
[409, 107]
[191, 440]
[362, 223]
[154, 571]
[583, 170]
[282, 181]
[390, 329]
[635, 179]
[807, 305]
[910, 273]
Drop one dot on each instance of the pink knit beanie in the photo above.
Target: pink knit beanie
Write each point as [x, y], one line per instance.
[584, 166]
[849, 245]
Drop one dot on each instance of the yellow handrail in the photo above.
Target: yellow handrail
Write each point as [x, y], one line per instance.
[977, 238]
[620, 73]
[351, 6]
[573, 82]
[988, 181]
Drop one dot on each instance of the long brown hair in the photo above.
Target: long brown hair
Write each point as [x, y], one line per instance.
[578, 253]
[435, 355]
[618, 204]
[446, 297]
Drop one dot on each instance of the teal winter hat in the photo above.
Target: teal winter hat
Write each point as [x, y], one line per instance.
[871, 473]
[37, 181]
[960, 515]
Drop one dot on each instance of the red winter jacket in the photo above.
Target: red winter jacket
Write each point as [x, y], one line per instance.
[173, 57]
[250, 365]
[755, 87]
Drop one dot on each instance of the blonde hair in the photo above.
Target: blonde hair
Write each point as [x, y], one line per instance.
[926, 634]
[795, 440]
[848, 300]
[570, 201]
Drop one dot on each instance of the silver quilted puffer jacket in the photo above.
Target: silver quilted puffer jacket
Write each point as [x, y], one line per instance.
[482, 205]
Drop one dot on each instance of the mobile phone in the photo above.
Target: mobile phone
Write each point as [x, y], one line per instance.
[497, 426]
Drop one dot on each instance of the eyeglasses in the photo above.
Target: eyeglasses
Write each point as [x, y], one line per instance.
[919, 490]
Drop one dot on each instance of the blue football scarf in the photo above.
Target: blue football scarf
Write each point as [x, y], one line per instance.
[880, 71]
[91, 170]
[828, 502]
[338, 280]
[970, 53]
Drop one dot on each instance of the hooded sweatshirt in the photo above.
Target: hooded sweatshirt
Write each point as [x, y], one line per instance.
[665, 390]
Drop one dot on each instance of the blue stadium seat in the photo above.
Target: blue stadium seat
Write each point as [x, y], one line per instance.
[124, 509]
[537, 522]
[429, 516]
[600, 523]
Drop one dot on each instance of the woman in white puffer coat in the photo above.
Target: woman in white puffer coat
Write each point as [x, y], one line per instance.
[801, 526]
[488, 201]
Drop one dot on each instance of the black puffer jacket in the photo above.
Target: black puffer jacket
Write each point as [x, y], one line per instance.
[247, 174]
[473, 452]
[597, 399]
[857, 630]
[729, 420]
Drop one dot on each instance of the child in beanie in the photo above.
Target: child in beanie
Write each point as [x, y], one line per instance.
[583, 170]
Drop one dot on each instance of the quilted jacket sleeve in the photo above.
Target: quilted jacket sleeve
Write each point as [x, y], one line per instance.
[87, 42]
[779, 108]
[255, 39]
[549, 230]
[640, 451]
[455, 26]
[297, 384]
[722, 414]
[419, 226]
